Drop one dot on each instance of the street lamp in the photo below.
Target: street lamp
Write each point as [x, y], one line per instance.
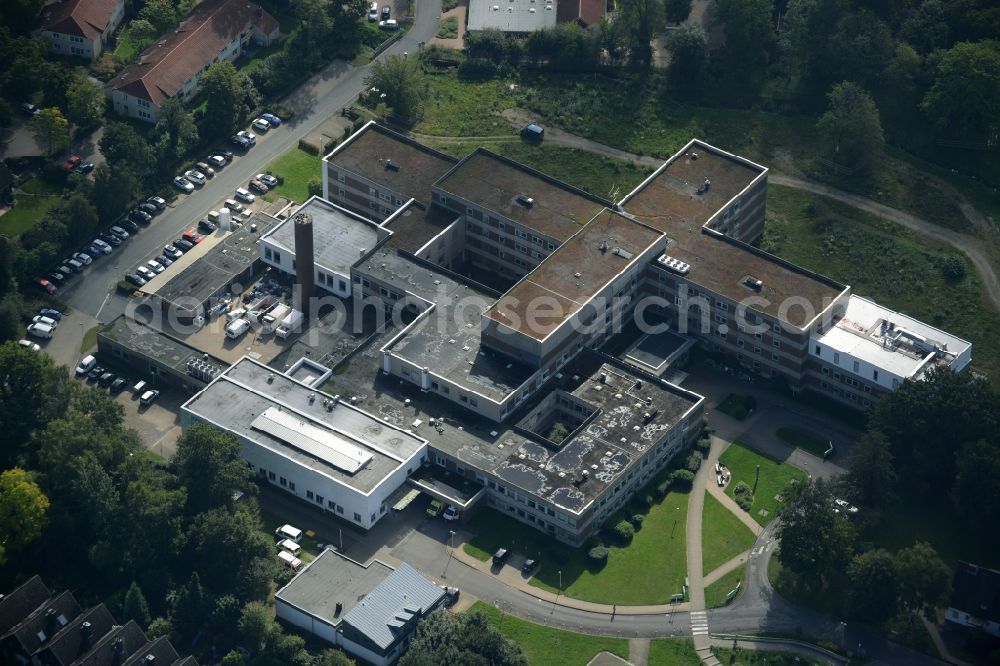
[451, 537]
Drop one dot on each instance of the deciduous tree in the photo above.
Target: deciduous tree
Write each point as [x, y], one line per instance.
[402, 82]
[964, 100]
[688, 46]
[814, 540]
[125, 148]
[51, 128]
[677, 11]
[33, 391]
[209, 465]
[977, 484]
[468, 638]
[84, 102]
[23, 511]
[924, 578]
[875, 586]
[852, 127]
[871, 476]
[222, 87]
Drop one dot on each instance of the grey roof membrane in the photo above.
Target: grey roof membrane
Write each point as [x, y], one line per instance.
[396, 600]
[338, 235]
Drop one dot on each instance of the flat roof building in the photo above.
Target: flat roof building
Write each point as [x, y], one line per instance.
[369, 610]
[339, 457]
[518, 16]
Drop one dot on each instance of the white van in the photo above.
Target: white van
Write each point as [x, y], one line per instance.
[290, 561]
[40, 330]
[290, 546]
[289, 532]
[87, 364]
[236, 328]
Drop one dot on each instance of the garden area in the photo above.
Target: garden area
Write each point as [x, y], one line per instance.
[31, 202]
[648, 570]
[544, 645]
[737, 406]
[723, 535]
[763, 494]
[716, 593]
[804, 440]
[294, 169]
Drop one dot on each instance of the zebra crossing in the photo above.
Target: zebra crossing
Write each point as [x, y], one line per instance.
[699, 623]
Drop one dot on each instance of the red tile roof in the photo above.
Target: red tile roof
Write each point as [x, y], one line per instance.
[585, 12]
[83, 18]
[164, 68]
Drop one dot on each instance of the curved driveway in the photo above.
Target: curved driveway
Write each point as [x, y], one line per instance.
[320, 97]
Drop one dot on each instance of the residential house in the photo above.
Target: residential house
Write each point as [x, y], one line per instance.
[975, 599]
[213, 31]
[79, 28]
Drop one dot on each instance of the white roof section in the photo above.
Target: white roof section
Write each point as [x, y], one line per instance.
[319, 442]
[897, 343]
[512, 15]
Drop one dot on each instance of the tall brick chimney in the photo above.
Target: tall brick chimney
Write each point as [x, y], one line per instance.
[305, 273]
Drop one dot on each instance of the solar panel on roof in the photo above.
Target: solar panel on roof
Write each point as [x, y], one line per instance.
[322, 443]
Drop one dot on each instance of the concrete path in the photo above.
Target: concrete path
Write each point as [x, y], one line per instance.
[726, 567]
[940, 645]
[638, 651]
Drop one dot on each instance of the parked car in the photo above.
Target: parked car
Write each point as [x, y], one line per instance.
[56, 278]
[205, 169]
[48, 321]
[390, 24]
[227, 155]
[111, 239]
[195, 176]
[240, 142]
[451, 513]
[233, 205]
[451, 595]
[249, 136]
[385, 12]
[164, 260]
[529, 566]
[129, 226]
[191, 236]
[217, 161]
[140, 216]
[50, 313]
[158, 202]
[258, 186]
[373, 12]
[435, 508]
[533, 132]
[29, 345]
[85, 365]
[260, 125]
[183, 184]
[183, 245]
[40, 331]
[29, 109]
[148, 208]
[83, 258]
[95, 372]
[244, 196]
[500, 557]
[134, 280]
[154, 266]
[74, 264]
[91, 251]
[71, 163]
[148, 397]
[268, 180]
[118, 386]
[272, 120]
[84, 169]
[102, 246]
[65, 271]
[172, 252]
[145, 273]
[118, 231]
[139, 388]
[206, 226]
[106, 379]
[46, 286]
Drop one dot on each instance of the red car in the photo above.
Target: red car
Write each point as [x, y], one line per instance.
[45, 285]
[192, 237]
[71, 163]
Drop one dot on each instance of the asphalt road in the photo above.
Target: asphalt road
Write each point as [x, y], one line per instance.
[325, 94]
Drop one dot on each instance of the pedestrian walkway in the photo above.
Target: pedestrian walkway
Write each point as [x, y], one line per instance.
[638, 651]
[699, 623]
[726, 567]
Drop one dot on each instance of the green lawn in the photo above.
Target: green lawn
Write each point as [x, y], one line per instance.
[27, 211]
[807, 441]
[648, 571]
[715, 594]
[883, 262]
[672, 652]
[130, 46]
[604, 176]
[723, 535]
[546, 646]
[89, 340]
[775, 477]
[296, 166]
[737, 406]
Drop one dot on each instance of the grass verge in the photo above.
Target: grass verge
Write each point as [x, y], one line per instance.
[672, 652]
[296, 166]
[775, 477]
[803, 440]
[27, 211]
[544, 646]
[723, 535]
[715, 594]
[89, 340]
[745, 657]
[647, 571]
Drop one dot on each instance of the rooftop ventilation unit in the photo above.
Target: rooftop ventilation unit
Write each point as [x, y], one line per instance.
[604, 246]
[674, 265]
[391, 166]
[753, 283]
[623, 253]
[525, 200]
[704, 186]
